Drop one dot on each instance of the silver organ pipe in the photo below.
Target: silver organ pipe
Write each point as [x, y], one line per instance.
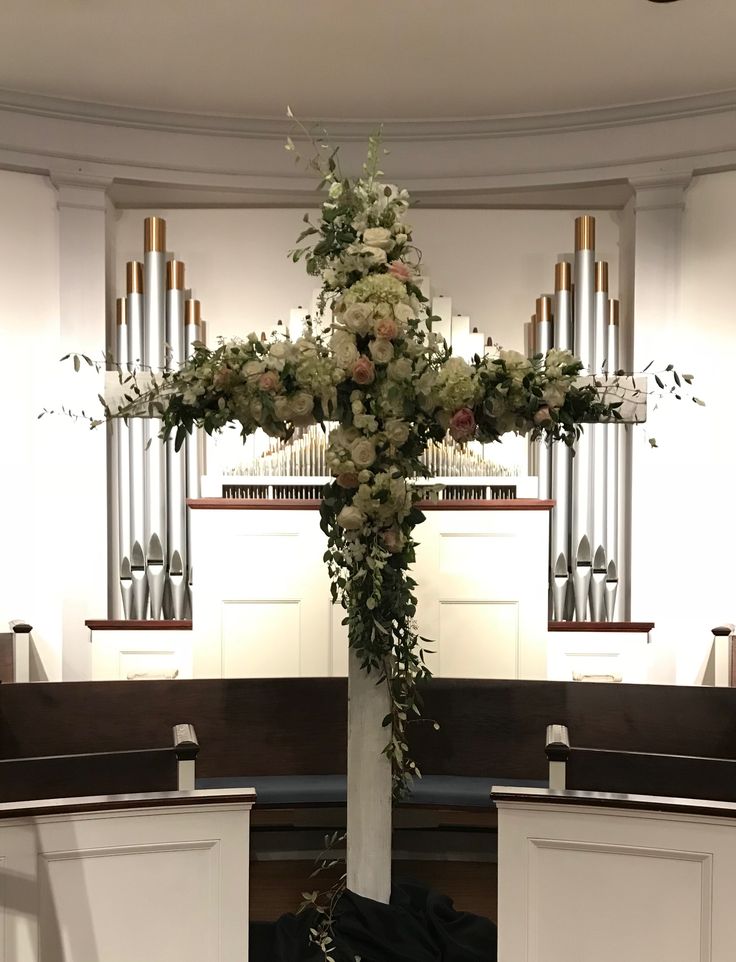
[176, 465]
[158, 326]
[582, 465]
[599, 438]
[585, 523]
[561, 457]
[136, 432]
[613, 437]
[195, 442]
[542, 344]
[154, 309]
[122, 444]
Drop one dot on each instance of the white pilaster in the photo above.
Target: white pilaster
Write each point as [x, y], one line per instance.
[82, 525]
[369, 786]
[657, 572]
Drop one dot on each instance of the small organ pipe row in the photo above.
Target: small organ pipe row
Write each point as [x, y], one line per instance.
[304, 455]
[581, 317]
[156, 330]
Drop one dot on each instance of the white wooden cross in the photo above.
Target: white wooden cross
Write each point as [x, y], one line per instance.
[369, 785]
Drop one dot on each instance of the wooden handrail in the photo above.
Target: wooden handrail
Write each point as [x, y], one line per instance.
[106, 803]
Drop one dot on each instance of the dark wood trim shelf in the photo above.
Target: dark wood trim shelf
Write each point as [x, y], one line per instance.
[147, 625]
[642, 627]
[647, 803]
[312, 504]
[110, 803]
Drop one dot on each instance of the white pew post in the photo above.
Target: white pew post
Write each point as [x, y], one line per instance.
[21, 650]
[186, 748]
[722, 655]
[557, 750]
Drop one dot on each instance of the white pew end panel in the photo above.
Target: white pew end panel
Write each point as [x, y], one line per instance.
[585, 875]
[122, 878]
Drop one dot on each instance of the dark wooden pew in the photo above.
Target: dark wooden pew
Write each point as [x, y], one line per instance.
[622, 772]
[491, 731]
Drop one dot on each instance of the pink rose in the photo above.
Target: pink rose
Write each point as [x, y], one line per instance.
[363, 371]
[269, 381]
[400, 270]
[386, 327]
[393, 539]
[462, 425]
[222, 378]
[542, 414]
[348, 479]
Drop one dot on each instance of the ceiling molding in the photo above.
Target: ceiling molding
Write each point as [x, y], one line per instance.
[439, 129]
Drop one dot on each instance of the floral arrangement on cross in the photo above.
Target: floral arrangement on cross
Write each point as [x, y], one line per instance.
[392, 386]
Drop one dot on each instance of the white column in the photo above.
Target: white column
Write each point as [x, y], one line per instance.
[658, 569]
[82, 522]
[369, 786]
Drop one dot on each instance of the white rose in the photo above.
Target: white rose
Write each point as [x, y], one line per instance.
[378, 237]
[382, 351]
[253, 368]
[350, 518]
[302, 405]
[335, 190]
[282, 408]
[403, 313]
[357, 318]
[373, 255]
[554, 394]
[400, 369]
[344, 349]
[363, 453]
[396, 431]
[278, 350]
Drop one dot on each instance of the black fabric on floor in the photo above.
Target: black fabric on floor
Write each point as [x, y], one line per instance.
[420, 925]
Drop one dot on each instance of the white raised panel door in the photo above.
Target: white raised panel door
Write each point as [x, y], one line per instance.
[482, 592]
[579, 884]
[132, 655]
[260, 594]
[163, 883]
[18, 893]
[623, 655]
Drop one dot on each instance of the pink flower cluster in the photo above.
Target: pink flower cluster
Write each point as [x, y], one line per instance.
[462, 425]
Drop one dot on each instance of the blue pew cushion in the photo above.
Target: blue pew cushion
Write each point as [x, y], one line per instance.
[437, 790]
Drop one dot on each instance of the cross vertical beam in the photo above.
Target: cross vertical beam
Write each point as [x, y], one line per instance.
[369, 786]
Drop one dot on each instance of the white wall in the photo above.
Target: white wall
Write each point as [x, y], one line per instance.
[687, 562]
[30, 501]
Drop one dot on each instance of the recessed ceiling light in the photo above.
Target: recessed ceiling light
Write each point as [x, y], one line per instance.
[663, 1]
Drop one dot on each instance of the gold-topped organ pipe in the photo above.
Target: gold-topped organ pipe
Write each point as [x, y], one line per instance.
[599, 442]
[176, 461]
[561, 469]
[154, 312]
[121, 434]
[584, 347]
[193, 333]
[613, 439]
[137, 436]
[543, 340]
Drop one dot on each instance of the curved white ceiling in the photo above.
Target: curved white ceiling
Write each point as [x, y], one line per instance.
[390, 59]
